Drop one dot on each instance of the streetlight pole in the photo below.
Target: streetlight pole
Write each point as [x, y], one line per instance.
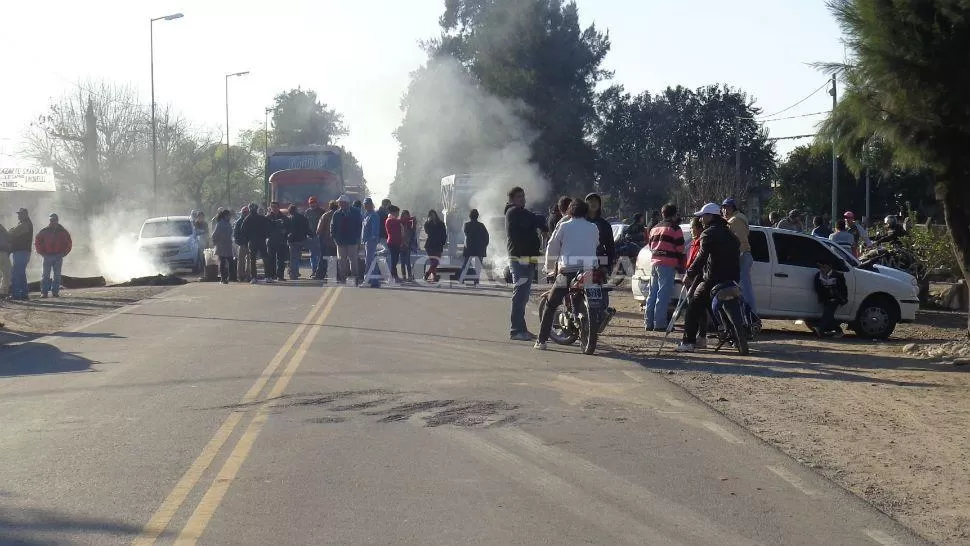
[151, 46]
[835, 160]
[266, 155]
[228, 149]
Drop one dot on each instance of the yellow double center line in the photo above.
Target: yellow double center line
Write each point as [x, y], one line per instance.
[213, 496]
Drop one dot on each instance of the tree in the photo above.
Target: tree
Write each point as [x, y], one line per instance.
[907, 84]
[300, 119]
[522, 76]
[804, 182]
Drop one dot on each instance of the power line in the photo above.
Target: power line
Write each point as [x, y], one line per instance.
[791, 137]
[812, 94]
[795, 117]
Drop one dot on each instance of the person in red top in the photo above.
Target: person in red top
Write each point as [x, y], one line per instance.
[666, 242]
[394, 241]
[696, 228]
[53, 243]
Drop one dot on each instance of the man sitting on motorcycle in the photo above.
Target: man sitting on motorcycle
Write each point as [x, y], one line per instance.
[718, 261]
[571, 249]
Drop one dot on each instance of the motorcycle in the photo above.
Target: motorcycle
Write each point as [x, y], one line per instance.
[583, 314]
[732, 317]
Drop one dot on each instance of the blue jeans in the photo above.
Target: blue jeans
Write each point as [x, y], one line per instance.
[661, 286]
[18, 273]
[521, 289]
[52, 264]
[372, 274]
[747, 289]
[313, 245]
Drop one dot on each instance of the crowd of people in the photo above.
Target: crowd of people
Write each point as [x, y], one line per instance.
[52, 243]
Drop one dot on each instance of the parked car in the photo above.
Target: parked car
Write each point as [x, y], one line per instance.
[172, 242]
[783, 278]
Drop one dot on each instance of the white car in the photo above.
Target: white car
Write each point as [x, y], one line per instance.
[171, 241]
[783, 279]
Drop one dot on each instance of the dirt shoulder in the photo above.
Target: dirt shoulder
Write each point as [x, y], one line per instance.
[888, 426]
[28, 320]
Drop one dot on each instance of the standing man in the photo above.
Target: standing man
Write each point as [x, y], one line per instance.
[858, 231]
[476, 244]
[242, 245]
[4, 262]
[607, 247]
[298, 237]
[792, 222]
[383, 213]
[278, 233]
[21, 239]
[327, 247]
[53, 243]
[738, 224]
[522, 227]
[255, 229]
[345, 228]
[370, 235]
[313, 214]
[666, 244]
[395, 235]
[717, 261]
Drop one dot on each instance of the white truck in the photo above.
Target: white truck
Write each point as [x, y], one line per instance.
[460, 193]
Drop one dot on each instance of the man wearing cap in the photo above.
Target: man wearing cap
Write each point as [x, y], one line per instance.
[328, 248]
[53, 243]
[313, 214]
[792, 222]
[738, 224]
[719, 260]
[21, 240]
[345, 228]
[4, 262]
[255, 229]
[370, 234]
[857, 230]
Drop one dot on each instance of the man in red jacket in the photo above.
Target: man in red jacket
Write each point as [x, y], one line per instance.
[53, 243]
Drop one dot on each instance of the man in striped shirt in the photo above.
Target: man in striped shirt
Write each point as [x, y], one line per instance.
[666, 242]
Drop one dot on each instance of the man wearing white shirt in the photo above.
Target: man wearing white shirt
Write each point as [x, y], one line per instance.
[571, 249]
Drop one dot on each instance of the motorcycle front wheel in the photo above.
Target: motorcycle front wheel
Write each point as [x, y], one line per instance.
[560, 334]
[588, 326]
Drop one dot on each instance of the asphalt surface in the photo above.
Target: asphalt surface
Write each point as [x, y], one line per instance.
[294, 414]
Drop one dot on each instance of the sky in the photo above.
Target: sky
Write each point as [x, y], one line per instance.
[358, 54]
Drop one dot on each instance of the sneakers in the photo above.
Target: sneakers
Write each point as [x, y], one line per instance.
[648, 327]
[540, 346]
[685, 347]
[522, 336]
[701, 343]
[44, 296]
[254, 281]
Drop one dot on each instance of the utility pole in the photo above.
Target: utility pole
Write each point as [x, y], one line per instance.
[835, 160]
[228, 149]
[266, 156]
[737, 152]
[151, 49]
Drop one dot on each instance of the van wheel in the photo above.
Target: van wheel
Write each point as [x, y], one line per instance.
[877, 318]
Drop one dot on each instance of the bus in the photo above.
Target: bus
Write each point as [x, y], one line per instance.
[294, 174]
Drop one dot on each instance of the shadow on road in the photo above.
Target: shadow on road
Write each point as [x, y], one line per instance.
[34, 527]
[33, 358]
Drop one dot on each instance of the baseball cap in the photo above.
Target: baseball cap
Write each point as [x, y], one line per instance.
[53, 216]
[729, 202]
[849, 215]
[710, 208]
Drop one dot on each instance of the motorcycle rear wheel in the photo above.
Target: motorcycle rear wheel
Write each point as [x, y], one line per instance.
[735, 326]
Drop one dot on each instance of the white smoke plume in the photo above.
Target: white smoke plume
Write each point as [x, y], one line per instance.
[452, 121]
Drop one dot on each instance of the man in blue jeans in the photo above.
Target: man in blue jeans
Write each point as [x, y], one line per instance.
[522, 227]
[370, 234]
[738, 224]
[666, 242]
[21, 241]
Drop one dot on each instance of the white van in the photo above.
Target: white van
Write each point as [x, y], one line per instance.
[171, 241]
[783, 278]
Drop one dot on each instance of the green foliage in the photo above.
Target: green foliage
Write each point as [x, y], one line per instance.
[934, 248]
[300, 119]
[680, 144]
[907, 85]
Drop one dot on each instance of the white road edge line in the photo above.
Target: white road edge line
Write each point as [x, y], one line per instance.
[881, 537]
[722, 432]
[794, 481]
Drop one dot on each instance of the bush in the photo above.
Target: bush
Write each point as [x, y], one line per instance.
[934, 247]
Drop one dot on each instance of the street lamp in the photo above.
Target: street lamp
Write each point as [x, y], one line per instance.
[228, 149]
[151, 45]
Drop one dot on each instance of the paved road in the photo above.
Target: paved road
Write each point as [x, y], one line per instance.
[301, 415]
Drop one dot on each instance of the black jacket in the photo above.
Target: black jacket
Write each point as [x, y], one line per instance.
[607, 246]
[299, 229]
[238, 236]
[313, 215]
[255, 229]
[22, 237]
[832, 289]
[522, 227]
[719, 259]
[437, 237]
[476, 239]
[279, 229]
